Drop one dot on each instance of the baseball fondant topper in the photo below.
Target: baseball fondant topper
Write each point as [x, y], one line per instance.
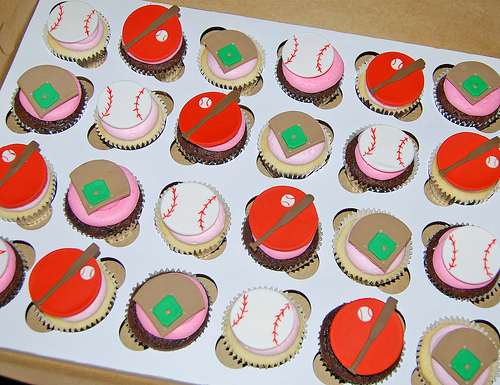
[72, 21]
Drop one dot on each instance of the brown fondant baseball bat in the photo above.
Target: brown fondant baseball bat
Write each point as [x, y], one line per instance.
[20, 161]
[401, 74]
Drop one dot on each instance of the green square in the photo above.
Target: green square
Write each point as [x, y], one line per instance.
[45, 95]
[382, 246]
[466, 364]
[96, 191]
[229, 55]
[167, 310]
[294, 137]
[475, 85]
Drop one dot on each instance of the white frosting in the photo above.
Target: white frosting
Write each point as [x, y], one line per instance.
[308, 55]
[72, 21]
[4, 257]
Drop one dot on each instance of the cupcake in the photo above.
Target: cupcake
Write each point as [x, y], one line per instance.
[27, 186]
[457, 351]
[380, 158]
[75, 31]
[463, 262]
[129, 116]
[152, 42]
[310, 69]
[212, 128]
[464, 169]
[372, 247]
[263, 328]
[71, 290]
[391, 83]
[468, 94]
[230, 59]
[13, 267]
[49, 100]
[104, 200]
[192, 218]
[168, 311]
[361, 342]
[294, 145]
[282, 231]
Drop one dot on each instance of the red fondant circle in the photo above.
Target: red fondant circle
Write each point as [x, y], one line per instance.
[348, 335]
[267, 209]
[474, 175]
[75, 295]
[217, 130]
[27, 183]
[149, 49]
[397, 94]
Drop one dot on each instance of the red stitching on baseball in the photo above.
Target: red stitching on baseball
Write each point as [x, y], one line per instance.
[455, 251]
[109, 103]
[243, 310]
[202, 212]
[3, 251]
[373, 144]
[58, 20]
[87, 21]
[278, 319]
[171, 209]
[402, 142]
[320, 54]
[295, 49]
[136, 104]
[485, 259]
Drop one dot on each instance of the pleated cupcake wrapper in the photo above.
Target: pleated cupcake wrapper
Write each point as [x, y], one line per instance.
[231, 351]
[242, 87]
[93, 60]
[291, 268]
[361, 277]
[149, 138]
[152, 275]
[453, 119]
[25, 269]
[199, 253]
[445, 322]
[362, 186]
[214, 162]
[381, 109]
[52, 322]
[273, 169]
[448, 198]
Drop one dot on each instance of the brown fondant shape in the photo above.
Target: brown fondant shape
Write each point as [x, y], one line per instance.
[181, 287]
[367, 227]
[111, 173]
[463, 71]
[220, 39]
[311, 127]
[465, 338]
[60, 79]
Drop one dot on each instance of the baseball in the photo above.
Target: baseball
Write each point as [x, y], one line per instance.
[365, 314]
[287, 200]
[397, 64]
[205, 102]
[161, 35]
[8, 156]
[87, 272]
[492, 161]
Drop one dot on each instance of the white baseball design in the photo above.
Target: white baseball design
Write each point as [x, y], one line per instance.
[205, 102]
[87, 273]
[287, 200]
[386, 148]
[492, 161]
[72, 21]
[397, 64]
[365, 314]
[307, 55]
[471, 254]
[8, 156]
[189, 208]
[161, 35]
[262, 318]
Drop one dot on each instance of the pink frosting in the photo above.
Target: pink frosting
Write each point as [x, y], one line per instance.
[371, 97]
[301, 158]
[60, 112]
[207, 235]
[444, 274]
[87, 43]
[137, 131]
[159, 61]
[283, 254]
[235, 73]
[485, 106]
[373, 172]
[111, 214]
[441, 374]
[182, 331]
[8, 274]
[233, 141]
[317, 83]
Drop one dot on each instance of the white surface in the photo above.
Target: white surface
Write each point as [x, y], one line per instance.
[237, 181]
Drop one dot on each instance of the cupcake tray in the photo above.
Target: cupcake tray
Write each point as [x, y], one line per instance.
[238, 181]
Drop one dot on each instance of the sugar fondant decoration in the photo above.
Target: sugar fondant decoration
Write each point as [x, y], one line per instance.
[294, 137]
[229, 55]
[167, 310]
[45, 95]
[465, 364]
[96, 192]
[475, 85]
[4, 257]
[382, 246]
[72, 21]
[365, 314]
